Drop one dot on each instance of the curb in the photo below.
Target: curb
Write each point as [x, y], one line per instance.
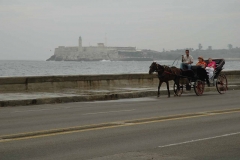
[84, 98]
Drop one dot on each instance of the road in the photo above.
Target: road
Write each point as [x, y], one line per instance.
[186, 127]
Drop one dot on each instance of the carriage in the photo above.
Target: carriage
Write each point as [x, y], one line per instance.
[197, 80]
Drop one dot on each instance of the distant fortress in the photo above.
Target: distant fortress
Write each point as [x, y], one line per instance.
[96, 53]
[102, 52]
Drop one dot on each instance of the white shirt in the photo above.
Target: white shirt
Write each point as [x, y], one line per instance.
[187, 59]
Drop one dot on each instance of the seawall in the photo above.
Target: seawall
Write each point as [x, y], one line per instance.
[21, 91]
[85, 82]
[54, 83]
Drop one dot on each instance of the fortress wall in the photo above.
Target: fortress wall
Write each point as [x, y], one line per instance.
[72, 56]
[92, 52]
[102, 50]
[72, 53]
[58, 51]
[86, 82]
[123, 48]
[71, 49]
[62, 50]
[113, 54]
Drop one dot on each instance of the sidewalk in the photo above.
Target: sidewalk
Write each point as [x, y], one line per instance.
[75, 95]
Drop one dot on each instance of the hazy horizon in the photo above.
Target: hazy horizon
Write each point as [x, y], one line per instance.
[31, 29]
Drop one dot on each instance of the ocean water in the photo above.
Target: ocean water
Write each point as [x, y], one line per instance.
[16, 68]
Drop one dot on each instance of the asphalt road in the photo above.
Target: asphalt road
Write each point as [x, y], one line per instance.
[186, 127]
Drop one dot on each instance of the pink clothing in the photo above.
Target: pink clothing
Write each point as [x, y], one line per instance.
[212, 64]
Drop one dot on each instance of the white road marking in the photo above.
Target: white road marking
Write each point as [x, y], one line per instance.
[109, 112]
[197, 140]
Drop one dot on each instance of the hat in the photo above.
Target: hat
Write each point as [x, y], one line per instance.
[200, 58]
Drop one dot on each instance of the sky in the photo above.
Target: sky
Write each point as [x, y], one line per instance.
[32, 29]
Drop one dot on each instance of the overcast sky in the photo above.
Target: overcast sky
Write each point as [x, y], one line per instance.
[32, 29]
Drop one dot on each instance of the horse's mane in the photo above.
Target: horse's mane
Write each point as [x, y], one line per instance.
[174, 70]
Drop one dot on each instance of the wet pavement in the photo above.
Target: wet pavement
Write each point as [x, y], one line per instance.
[76, 95]
[69, 92]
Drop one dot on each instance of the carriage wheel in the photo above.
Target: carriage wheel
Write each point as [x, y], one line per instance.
[178, 92]
[222, 84]
[199, 87]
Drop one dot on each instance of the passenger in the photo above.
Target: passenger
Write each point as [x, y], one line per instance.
[201, 62]
[187, 60]
[210, 68]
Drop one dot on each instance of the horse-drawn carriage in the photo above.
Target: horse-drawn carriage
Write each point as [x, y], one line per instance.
[198, 80]
[195, 78]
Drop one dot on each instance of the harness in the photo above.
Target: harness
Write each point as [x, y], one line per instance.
[164, 71]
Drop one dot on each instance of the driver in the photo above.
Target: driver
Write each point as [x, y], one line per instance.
[187, 60]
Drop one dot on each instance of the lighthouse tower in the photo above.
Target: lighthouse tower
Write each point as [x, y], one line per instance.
[80, 49]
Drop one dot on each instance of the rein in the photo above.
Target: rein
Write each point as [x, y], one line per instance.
[164, 67]
[164, 71]
[168, 71]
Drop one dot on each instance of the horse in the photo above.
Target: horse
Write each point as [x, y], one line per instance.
[165, 74]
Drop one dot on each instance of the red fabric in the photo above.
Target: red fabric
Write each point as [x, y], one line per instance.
[202, 63]
[212, 64]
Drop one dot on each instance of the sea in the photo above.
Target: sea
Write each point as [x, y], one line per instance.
[20, 68]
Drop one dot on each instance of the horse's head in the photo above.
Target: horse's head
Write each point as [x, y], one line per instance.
[155, 68]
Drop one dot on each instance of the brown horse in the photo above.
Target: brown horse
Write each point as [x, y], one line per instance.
[165, 74]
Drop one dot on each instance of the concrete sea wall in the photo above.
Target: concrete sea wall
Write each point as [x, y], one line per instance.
[51, 83]
[54, 83]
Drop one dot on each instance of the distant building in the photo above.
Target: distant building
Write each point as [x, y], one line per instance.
[99, 52]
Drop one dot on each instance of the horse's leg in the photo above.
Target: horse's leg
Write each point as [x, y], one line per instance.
[168, 88]
[176, 81]
[159, 85]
